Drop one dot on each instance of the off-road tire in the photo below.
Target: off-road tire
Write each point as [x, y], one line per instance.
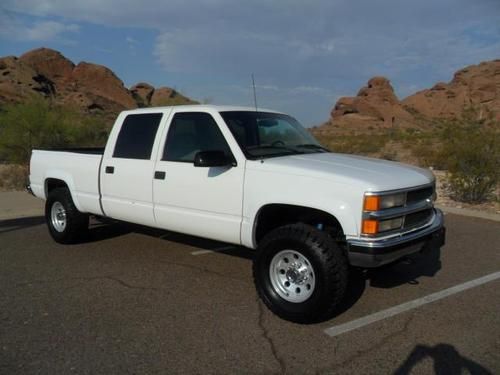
[330, 269]
[77, 223]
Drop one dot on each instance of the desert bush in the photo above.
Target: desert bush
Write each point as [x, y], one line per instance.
[389, 155]
[39, 123]
[471, 148]
[361, 144]
[13, 177]
[428, 153]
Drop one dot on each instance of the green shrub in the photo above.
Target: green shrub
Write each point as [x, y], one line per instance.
[471, 148]
[389, 155]
[39, 123]
[361, 144]
[429, 153]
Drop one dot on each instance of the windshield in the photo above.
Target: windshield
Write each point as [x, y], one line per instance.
[264, 134]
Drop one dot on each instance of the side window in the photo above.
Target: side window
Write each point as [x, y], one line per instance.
[137, 135]
[191, 132]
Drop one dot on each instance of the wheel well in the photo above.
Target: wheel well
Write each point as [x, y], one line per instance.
[273, 216]
[53, 183]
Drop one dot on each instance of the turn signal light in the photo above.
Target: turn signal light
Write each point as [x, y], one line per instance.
[372, 203]
[370, 227]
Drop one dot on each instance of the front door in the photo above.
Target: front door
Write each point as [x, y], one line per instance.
[203, 201]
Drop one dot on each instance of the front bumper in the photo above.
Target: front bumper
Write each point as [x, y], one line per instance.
[371, 252]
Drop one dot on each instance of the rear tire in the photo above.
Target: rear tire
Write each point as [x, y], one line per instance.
[300, 273]
[66, 224]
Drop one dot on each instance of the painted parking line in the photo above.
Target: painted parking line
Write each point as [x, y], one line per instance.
[390, 312]
[201, 252]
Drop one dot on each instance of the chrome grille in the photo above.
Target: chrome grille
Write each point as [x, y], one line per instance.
[416, 212]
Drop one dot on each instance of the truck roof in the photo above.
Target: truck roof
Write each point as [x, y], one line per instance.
[200, 107]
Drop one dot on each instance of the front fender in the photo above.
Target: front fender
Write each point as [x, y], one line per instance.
[340, 200]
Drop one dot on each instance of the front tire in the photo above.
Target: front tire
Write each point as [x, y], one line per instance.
[66, 224]
[300, 273]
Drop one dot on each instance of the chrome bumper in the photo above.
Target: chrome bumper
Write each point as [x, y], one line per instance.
[372, 252]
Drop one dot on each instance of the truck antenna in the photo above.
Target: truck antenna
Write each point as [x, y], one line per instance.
[254, 93]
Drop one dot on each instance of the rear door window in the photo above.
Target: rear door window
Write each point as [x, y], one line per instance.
[137, 135]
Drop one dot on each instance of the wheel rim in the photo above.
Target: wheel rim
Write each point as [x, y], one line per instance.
[292, 276]
[58, 216]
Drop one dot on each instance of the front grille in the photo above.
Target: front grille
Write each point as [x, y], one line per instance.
[417, 219]
[419, 195]
[417, 212]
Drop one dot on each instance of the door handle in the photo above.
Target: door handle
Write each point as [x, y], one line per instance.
[110, 170]
[159, 175]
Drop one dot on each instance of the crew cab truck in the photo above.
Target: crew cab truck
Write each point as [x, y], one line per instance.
[249, 177]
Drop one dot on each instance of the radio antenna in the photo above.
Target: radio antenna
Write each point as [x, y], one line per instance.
[254, 93]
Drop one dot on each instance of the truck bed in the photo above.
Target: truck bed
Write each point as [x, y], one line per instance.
[79, 168]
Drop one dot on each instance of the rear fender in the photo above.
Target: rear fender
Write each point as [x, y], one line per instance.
[67, 179]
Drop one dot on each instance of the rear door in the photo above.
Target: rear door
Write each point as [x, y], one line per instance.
[128, 167]
[204, 201]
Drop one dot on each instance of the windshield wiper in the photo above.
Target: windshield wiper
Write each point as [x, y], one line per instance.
[313, 146]
[280, 151]
[266, 147]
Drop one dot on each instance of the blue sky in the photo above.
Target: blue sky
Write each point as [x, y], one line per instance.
[304, 54]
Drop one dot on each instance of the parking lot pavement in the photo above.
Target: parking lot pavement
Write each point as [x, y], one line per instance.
[16, 204]
[138, 300]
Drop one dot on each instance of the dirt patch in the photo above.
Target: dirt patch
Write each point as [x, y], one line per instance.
[13, 177]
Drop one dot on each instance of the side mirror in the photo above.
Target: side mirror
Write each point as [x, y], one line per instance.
[213, 158]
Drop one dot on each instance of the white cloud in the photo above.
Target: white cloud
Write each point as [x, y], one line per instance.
[131, 40]
[40, 31]
[48, 30]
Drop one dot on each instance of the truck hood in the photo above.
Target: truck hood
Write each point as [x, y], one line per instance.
[372, 174]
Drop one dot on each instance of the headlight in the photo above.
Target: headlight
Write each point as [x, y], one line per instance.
[387, 225]
[372, 227]
[382, 202]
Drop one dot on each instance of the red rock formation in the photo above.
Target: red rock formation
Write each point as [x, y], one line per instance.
[49, 63]
[142, 93]
[161, 95]
[477, 85]
[99, 81]
[168, 96]
[377, 107]
[19, 80]
[90, 87]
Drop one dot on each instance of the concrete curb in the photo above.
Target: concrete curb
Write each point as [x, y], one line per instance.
[469, 213]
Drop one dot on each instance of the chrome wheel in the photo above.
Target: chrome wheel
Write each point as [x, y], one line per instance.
[58, 217]
[292, 276]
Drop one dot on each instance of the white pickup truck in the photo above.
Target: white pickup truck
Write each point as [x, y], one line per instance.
[251, 178]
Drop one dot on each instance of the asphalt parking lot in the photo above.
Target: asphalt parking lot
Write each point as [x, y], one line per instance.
[143, 301]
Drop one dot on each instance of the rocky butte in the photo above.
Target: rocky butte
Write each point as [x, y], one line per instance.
[376, 106]
[91, 88]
